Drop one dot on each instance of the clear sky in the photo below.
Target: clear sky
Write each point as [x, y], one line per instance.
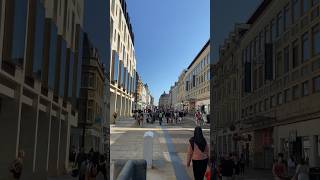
[168, 36]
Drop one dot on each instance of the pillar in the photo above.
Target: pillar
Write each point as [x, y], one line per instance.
[63, 146]
[119, 105]
[9, 130]
[42, 145]
[314, 155]
[27, 138]
[54, 142]
[112, 105]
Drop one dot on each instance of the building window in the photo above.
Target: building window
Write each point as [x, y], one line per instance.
[315, 2]
[305, 6]
[53, 53]
[295, 54]
[19, 30]
[279, 64]
[295, 92]
[286, 59]
[38, 41]
[63, 61]
[280, 98]
[286, 95]
[273, 30]
[279, 24]
[286, 19]
[305, 88]
[316, 84]
[316, 40]
[295, 10]
[261, 41]
[305, 47]
[273, 101]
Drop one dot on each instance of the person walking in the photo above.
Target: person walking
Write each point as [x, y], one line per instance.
[103, 166]
[302, 171]
[17, 166]
[279, 168]
[291, 163]
[242, 163]
[227, 167]
[198, 151]
[160, 117]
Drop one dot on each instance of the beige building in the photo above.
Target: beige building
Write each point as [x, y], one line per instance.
[123, 61]
[197, 82]
[181, 91]
[40, 55]
[226, 93]
[280, 83]
[91, 102]
[164, 101]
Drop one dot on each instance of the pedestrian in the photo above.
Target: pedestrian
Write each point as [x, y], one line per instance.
[197, 117]
[279, 168]
[92, 166]
[17, 166]
[242, 164]
[160, 117]
[302, 171]
[198, 151]
[291, 163]
[103, 166]
[141, 119]
[236, 166]
[227, 167]
[115, 115]
[83, 167]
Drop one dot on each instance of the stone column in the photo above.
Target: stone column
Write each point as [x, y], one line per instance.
[42, 145]
[27, 138]
[9, 132]
[54, 142]
[314, 156]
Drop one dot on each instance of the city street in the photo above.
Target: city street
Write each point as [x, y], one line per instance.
[170, 148]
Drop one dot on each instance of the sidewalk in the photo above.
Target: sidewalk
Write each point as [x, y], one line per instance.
[127, 143]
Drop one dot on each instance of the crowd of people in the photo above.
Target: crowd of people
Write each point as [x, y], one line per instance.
[290, 169]
[151, 116]
[89, 166]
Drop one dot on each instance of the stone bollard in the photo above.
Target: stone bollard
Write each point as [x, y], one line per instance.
[148, 148]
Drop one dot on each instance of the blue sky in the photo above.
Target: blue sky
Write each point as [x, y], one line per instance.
[168, 35]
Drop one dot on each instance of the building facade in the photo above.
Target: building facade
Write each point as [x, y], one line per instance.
[226, 93]
[279, 77]
[91, 101]
[181, 91]
[39, 73]
[164, 101]
[197, 82]
[123, 61]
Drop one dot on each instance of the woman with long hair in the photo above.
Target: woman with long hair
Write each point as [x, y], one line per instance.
[198, 152]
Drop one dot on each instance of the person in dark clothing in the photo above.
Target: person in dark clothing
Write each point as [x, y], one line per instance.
[103, 166]
[227, 168]
[242, 164]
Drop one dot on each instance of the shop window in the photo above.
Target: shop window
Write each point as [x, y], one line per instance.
[280, 98]
[316, 84]
[305, 88]
[305, 47]
[295, 92]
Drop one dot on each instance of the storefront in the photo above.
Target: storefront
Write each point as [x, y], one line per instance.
[203, 105]
[293, 140]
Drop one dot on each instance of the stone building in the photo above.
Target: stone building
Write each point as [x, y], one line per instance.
[164, 101]
[123, 61]
[226, 93]
[91, 100]
[40, 66]
[197, 82]
[279, 75]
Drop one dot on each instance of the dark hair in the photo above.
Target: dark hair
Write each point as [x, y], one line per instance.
[198, 139]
